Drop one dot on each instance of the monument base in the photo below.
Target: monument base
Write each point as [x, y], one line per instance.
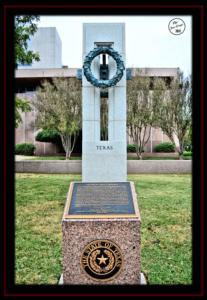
[143, 280]
[101, 245]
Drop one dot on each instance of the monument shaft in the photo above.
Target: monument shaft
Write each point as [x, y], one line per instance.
[104, 160]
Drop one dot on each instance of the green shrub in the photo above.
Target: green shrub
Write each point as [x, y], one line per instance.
[24, 149]
[48, 136]
[52, 136]
[187, 153]
[131, 148]
[165, 147]
[188, 147]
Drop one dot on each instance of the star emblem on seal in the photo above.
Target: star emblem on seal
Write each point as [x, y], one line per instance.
[101, 260]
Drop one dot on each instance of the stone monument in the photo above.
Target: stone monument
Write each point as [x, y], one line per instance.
[104, 160]
[101, 221]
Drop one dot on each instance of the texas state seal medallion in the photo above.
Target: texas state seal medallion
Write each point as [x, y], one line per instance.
[102, 260]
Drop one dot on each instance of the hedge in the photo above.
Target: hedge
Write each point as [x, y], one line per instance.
[52, 136]
[165, 147]
[48, 136]
[187, 153]
[25, 149]
[131, 148]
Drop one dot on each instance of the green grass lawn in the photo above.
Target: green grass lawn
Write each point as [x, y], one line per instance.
[165, 208]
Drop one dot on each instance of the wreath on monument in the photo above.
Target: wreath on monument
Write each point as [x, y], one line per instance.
[87, 67]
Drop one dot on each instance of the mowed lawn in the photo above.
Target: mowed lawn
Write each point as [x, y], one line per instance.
[165, 207]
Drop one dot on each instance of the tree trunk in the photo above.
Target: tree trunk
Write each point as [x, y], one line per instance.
[67, 157]
[180, 156]
[139, 156]
[67, 145]
[181, 147]
[180, 152]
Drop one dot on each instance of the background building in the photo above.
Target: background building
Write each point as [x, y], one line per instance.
[47, 42]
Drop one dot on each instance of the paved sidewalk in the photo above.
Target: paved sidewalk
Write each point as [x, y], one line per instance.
[23, 157]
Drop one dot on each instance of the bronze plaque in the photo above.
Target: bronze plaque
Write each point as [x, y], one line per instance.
[101, 260]
[97, 199]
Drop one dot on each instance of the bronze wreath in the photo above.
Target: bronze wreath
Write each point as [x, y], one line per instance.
[87, 65]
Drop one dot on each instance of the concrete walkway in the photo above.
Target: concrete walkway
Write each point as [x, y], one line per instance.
[23, 157]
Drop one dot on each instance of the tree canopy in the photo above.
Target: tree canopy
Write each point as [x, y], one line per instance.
[175, 117]
[22, 105]
[58, 107]
[142, 109]
[165, 107]
[25, 27]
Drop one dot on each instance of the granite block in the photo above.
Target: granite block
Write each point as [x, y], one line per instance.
[123, 231]
[78, 233]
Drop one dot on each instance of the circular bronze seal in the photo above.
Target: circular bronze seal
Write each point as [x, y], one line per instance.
[101, 260]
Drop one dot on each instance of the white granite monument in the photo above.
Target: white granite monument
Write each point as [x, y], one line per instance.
[104, 160]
